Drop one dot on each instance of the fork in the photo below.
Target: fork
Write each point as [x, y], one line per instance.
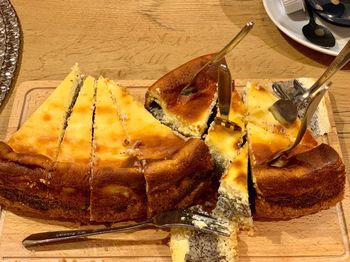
[189, 89]
[278, 160]
[225, 85]
[183, 218]
[284, 109]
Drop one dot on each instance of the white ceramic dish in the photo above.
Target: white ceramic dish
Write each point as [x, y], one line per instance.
[292, 26]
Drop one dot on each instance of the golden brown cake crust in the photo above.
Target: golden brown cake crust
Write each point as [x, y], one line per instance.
[117, 193]
[26, 187]
[171, 84]
[69, 188]
[23, 172]
[178, 181]
[311, 181]
[266, 211]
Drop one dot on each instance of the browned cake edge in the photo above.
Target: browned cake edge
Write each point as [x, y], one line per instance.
[178, 182]
[25, 187]
[266, 211]
[312, 181]
[117, 193]
[69, 187]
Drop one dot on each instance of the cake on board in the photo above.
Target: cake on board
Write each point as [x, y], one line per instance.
[95, 154]
[109, 159]
[28, 157]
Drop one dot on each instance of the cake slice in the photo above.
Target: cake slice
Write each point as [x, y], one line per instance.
[117, 184]
[69, 184]
[194, 246]
[313, 178]
[43, 131]
[177, 171]
[28, 156]
[230, 152]
[258, 100]
[233, 194]
[188, 114]
[224, 143]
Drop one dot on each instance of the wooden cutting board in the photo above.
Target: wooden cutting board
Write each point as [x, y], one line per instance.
[319, 237]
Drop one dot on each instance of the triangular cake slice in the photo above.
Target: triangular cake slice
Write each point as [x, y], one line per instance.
[69, 184]
[43, 131]
[313, 178]
[30, 152]
[117, 183]
[188, 114]
[177, 171]
[258, 100]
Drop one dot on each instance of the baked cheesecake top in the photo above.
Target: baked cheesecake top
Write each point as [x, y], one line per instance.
[43, 131]
[76, 143]
[191, 108]
[144, 134]
[266, 135]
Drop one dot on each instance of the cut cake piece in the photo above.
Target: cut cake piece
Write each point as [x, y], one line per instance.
[43, 131]
[117, 184]
[233, 194]
[313, 178]
[258, 100]
[28, 156]
[177, 171]
[188, 114]
[230, 152]
[231, 160]
[224, 143]
[69, 184]
[194, 246]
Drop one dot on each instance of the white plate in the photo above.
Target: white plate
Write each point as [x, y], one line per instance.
[292, 26]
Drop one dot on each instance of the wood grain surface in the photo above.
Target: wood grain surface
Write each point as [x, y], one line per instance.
[318, 237]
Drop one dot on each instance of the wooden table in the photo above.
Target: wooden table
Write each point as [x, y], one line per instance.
[145, 39]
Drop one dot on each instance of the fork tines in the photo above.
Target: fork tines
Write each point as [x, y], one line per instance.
[205, 222]
[228, 124]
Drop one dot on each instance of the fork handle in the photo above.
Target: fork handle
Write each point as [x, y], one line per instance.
[235, 41]
[60, 236]
[340, 60]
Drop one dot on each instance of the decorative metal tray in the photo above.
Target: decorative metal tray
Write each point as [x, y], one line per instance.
[9, 46]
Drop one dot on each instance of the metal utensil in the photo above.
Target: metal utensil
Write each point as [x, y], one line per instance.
[316, 33]
[287, 117]
[175, 218]
[336, 12]
[278, 160]
[224, 97]
[189, 89]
